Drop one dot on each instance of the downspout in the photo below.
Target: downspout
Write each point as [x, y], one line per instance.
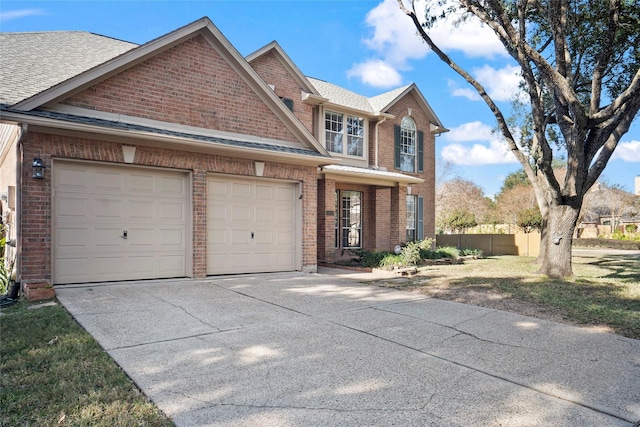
[18, 213]
[378, 123]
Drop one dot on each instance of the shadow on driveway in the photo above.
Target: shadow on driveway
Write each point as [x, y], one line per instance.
[298, 349]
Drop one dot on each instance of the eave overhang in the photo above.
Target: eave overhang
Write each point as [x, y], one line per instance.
[112, 131]
[356, 175]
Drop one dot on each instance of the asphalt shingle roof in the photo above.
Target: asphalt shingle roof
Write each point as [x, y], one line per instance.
[346, 98]
[35, 61]
[140, 128]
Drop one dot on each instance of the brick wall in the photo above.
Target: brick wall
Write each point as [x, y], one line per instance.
[386, 156]
[36, 217]
[189, 84]
[270, 68]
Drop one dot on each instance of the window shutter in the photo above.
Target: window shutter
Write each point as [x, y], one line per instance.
[397, 143]
[420, 151]
[420, 216]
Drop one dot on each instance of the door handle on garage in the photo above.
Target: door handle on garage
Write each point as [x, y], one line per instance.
[124, 234]
[252, 234]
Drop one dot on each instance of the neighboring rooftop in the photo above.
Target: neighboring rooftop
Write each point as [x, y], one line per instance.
[34, 61]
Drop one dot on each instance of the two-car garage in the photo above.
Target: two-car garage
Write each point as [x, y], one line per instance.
[117, 222]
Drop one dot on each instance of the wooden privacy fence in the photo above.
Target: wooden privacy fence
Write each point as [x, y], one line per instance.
[494, 244]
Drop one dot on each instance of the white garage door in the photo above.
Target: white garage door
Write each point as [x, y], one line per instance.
[251, 225]
[118, 223]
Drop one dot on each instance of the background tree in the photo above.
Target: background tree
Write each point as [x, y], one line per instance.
[457, 220]
[459, 199]
[529, 219]
[604, 200]
[580, 63]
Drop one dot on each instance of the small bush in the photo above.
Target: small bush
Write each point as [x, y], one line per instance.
[471, 252]
[447, 252]
[374, 259]
[391, 260]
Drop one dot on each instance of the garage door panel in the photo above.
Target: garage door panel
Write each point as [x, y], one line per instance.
[142, 209]
[242, 191]
[285, 194]
[173, 237]
[264, 192]
[141, 183]
[105, 237]
[72, 238]
[171, 187]
[172, 211]
[89, 220]
[238, 207]
[240, 237]
[109, 182]
[108, 207]
[170, 265]
[73, 179]
[264, 215]
[241, 213]
[285, 216]
[71, 208]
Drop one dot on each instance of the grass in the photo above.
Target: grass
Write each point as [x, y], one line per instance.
[604, 292]
[52, 373]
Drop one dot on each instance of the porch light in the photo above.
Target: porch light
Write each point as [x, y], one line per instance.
[38, 168]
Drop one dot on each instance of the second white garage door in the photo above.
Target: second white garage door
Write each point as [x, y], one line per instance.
[251, 225]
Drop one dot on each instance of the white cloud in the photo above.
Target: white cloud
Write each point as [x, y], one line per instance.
[472, 38]
[627, 151]
[376, 73]
[22, 13]
[395, 42]
[501, 84]
[489, 148]
[465, 92]
[394, 36]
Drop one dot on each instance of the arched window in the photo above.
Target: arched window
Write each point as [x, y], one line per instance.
[407, 145]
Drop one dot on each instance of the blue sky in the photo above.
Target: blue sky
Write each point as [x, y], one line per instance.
[366, 46]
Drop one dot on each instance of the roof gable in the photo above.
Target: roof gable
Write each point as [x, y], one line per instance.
[145, 53]
[377, 105]
[275, 49]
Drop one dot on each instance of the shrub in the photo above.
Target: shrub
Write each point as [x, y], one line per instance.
[374, 259]
[631, 228]
[447, 252]
[471, 252]
[391, 260]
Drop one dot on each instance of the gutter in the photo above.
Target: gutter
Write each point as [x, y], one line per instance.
[18, 212]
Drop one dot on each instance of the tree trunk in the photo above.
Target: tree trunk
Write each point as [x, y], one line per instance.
[556, 238]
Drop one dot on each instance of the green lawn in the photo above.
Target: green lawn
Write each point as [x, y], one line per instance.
[604, 292]
[52, 373]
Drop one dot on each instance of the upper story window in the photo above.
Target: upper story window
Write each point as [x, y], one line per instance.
[408, 146]
[344, 134]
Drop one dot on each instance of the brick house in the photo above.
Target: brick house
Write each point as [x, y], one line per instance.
[181, 158]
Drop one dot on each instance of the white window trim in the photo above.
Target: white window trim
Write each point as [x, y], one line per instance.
[365, 135]
[403, 145]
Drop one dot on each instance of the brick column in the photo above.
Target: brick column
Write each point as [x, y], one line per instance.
[398, 222]
[199, 192]
[383, 218]
[326, 220]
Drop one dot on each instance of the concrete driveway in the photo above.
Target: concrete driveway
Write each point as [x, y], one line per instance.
[323, 350]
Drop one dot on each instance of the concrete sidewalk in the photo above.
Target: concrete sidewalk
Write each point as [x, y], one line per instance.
[323, 350]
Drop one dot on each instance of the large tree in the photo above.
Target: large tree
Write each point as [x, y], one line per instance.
[580, 67]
